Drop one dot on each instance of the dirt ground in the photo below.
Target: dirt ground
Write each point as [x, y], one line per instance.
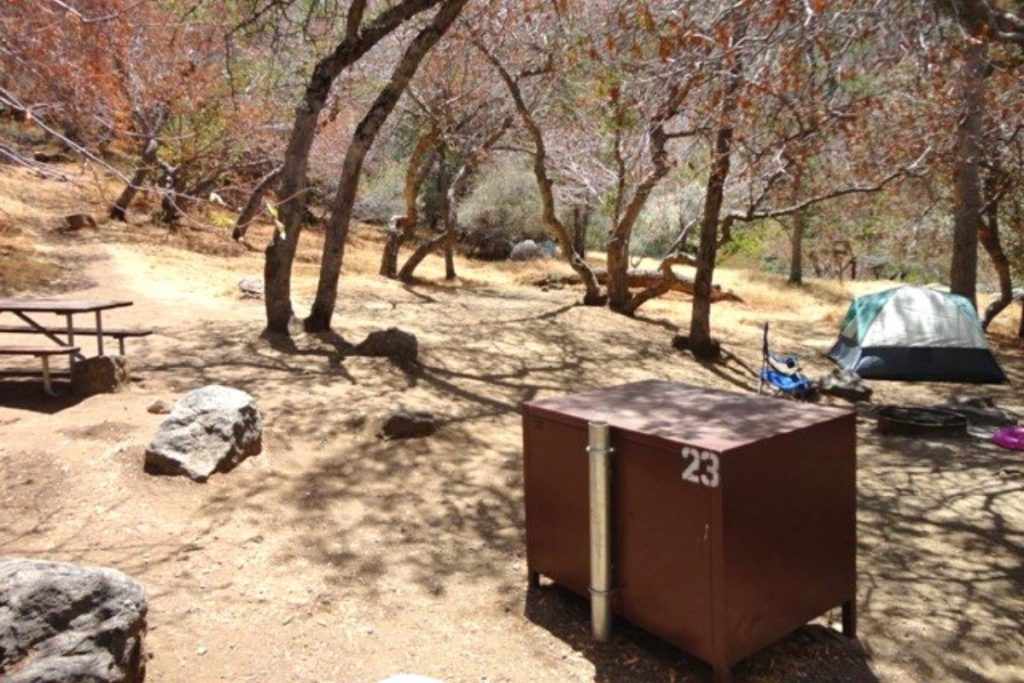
[334, 556]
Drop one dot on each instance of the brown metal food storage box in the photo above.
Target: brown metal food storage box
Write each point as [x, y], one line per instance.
[720, 558]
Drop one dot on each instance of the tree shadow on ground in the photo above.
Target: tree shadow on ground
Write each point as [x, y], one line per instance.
[936, 547]
[447, 510]
[811, 654]
[28, 394]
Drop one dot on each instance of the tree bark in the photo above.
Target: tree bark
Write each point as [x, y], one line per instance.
[280, 253]
[701, 343]
[252, 206]
[449, 256]
[988, 234]
[796, 237]
[967, 219]
[707, 250]
[796, 243]
[622, 232]
[320, 315]
[403, 227]
[581, 214]
[119, 209]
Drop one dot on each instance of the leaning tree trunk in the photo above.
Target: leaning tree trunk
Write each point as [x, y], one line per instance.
[549, 216]
[701, 343]
[320, 314]
[967, 219]
[119, 209]
[252, 206]
[619, 298]
[280, 253]
[402, 228]
[988, 234]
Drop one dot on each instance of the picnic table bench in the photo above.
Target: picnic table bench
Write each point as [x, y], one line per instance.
[120, 334]
[43, 353]
[62, 338]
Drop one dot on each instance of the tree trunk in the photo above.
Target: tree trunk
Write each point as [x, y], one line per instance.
[581, 214]
[119, 209]
[622, 231]
[549, 216]
[449, 256]
[617, 252]
[701, 344]
[796, 237]
[988, 234]
[796, 242]
[280, 253]
[320, 315]
[967, 219]
[403, 227]
[707, 251]
[252, 206]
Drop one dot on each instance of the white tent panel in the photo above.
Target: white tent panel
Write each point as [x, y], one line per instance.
[918, 317]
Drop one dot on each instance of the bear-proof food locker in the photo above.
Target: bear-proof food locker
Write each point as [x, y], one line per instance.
[728, 520]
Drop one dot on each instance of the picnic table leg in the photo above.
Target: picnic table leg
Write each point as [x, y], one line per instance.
[71, 335]
[99, 333]
[47, 385]
[120, 345]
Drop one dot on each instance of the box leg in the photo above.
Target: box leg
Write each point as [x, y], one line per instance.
[532, 578]
[850, 618]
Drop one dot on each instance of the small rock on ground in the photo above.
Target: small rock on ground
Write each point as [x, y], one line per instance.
[251, 287]
[79, 221]
[159, 407]
[392, 343]
[406, 424]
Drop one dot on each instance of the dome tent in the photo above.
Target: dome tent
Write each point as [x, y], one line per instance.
[915, 333]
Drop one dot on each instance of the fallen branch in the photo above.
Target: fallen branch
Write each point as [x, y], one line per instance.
[644, 279]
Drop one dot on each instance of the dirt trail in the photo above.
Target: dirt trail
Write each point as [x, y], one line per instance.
[337, 557]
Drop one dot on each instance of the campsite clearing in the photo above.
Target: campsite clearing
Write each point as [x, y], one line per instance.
[334, 556]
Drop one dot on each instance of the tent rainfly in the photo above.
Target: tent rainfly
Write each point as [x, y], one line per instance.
[915, 334]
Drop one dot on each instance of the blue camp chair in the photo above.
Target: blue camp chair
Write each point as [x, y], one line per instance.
[781, 374]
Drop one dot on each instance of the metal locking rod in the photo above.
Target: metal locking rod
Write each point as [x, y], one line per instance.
[600, 530]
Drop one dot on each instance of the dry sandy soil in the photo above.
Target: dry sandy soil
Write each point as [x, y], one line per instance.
[334, 556]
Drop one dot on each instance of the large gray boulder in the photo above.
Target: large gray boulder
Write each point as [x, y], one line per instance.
[527, 250]
[62, 622]
[209, 430]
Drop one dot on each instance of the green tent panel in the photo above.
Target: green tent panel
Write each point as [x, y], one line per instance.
[915, 333]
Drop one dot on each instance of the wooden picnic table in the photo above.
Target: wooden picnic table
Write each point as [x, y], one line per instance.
[23, 308]
[62, 338]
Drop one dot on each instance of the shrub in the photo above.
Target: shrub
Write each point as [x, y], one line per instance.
[501, 208]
